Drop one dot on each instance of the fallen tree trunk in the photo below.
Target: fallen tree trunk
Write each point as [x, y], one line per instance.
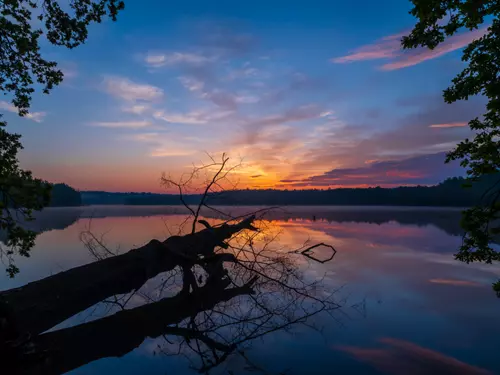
[64, 350]
[40, 305]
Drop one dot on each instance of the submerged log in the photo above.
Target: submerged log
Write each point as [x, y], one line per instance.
[41, 305]
[116, 335]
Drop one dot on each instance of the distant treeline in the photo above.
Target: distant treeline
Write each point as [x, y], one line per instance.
[63, 195]
[450, 192]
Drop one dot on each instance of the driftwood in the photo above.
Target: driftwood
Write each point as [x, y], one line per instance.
[38, 306]
[118, 334]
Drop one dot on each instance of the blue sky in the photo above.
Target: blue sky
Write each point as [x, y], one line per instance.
[308, 93]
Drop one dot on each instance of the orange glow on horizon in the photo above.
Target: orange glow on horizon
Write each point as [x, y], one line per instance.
[140, 178]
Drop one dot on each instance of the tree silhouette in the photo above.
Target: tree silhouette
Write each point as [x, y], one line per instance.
[438, 20]
[22, 67]
[217, 290]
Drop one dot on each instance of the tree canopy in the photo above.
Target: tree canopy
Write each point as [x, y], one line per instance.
[438, 20]
[23, 68]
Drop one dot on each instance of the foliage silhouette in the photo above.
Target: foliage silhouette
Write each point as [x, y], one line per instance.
[218, 289]
[22, 67]
[447, 193]
[63, 195]
[438, 20]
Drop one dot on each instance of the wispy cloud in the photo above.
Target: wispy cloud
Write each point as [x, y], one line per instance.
[327, 114]
[191, 83]
[390, 48]
[426, 169]
[126, 89]
[161, 59]
[449, 125]
[305, 112]
[196, 117]
[272, 142]
[151, 137]
[137, 109]
[423, 54]
[172, 151]
[454, 282]
[246, 99]
[70, 70]
[296, 84]
[243, 73]
[122, 124]
[179, 118]
[34, 116]
[349, 145]
[384, 48]
[219, 97]
[163, 145]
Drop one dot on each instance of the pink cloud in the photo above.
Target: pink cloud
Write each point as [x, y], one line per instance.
[390, 48]
[423, 54]
[384, 48]
[420, 170]
[449, 125]
[404, 357]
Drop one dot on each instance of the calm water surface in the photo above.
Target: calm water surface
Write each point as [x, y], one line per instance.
[407, 306]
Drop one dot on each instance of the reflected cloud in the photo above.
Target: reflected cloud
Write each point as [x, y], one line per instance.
[397, 256]
[404, 357]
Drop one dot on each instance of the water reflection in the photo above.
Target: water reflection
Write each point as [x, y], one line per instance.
[201, 305]
[400, 280]
[446, 219]
[403, 357]
[226, 323]
[53, 218]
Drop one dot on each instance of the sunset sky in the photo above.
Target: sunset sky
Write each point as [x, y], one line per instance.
[309, 93]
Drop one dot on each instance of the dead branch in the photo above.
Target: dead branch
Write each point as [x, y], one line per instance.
[42, 304]
[309, 254]
[212, 185]
[118, 334]
[237, 286]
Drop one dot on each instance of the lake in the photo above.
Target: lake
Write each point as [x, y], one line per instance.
[405, 305]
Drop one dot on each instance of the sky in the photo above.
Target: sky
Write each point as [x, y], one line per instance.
[306, 94]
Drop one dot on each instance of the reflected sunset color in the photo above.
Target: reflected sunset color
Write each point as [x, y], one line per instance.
[408, 358]
[250, 188]
[394, 273]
